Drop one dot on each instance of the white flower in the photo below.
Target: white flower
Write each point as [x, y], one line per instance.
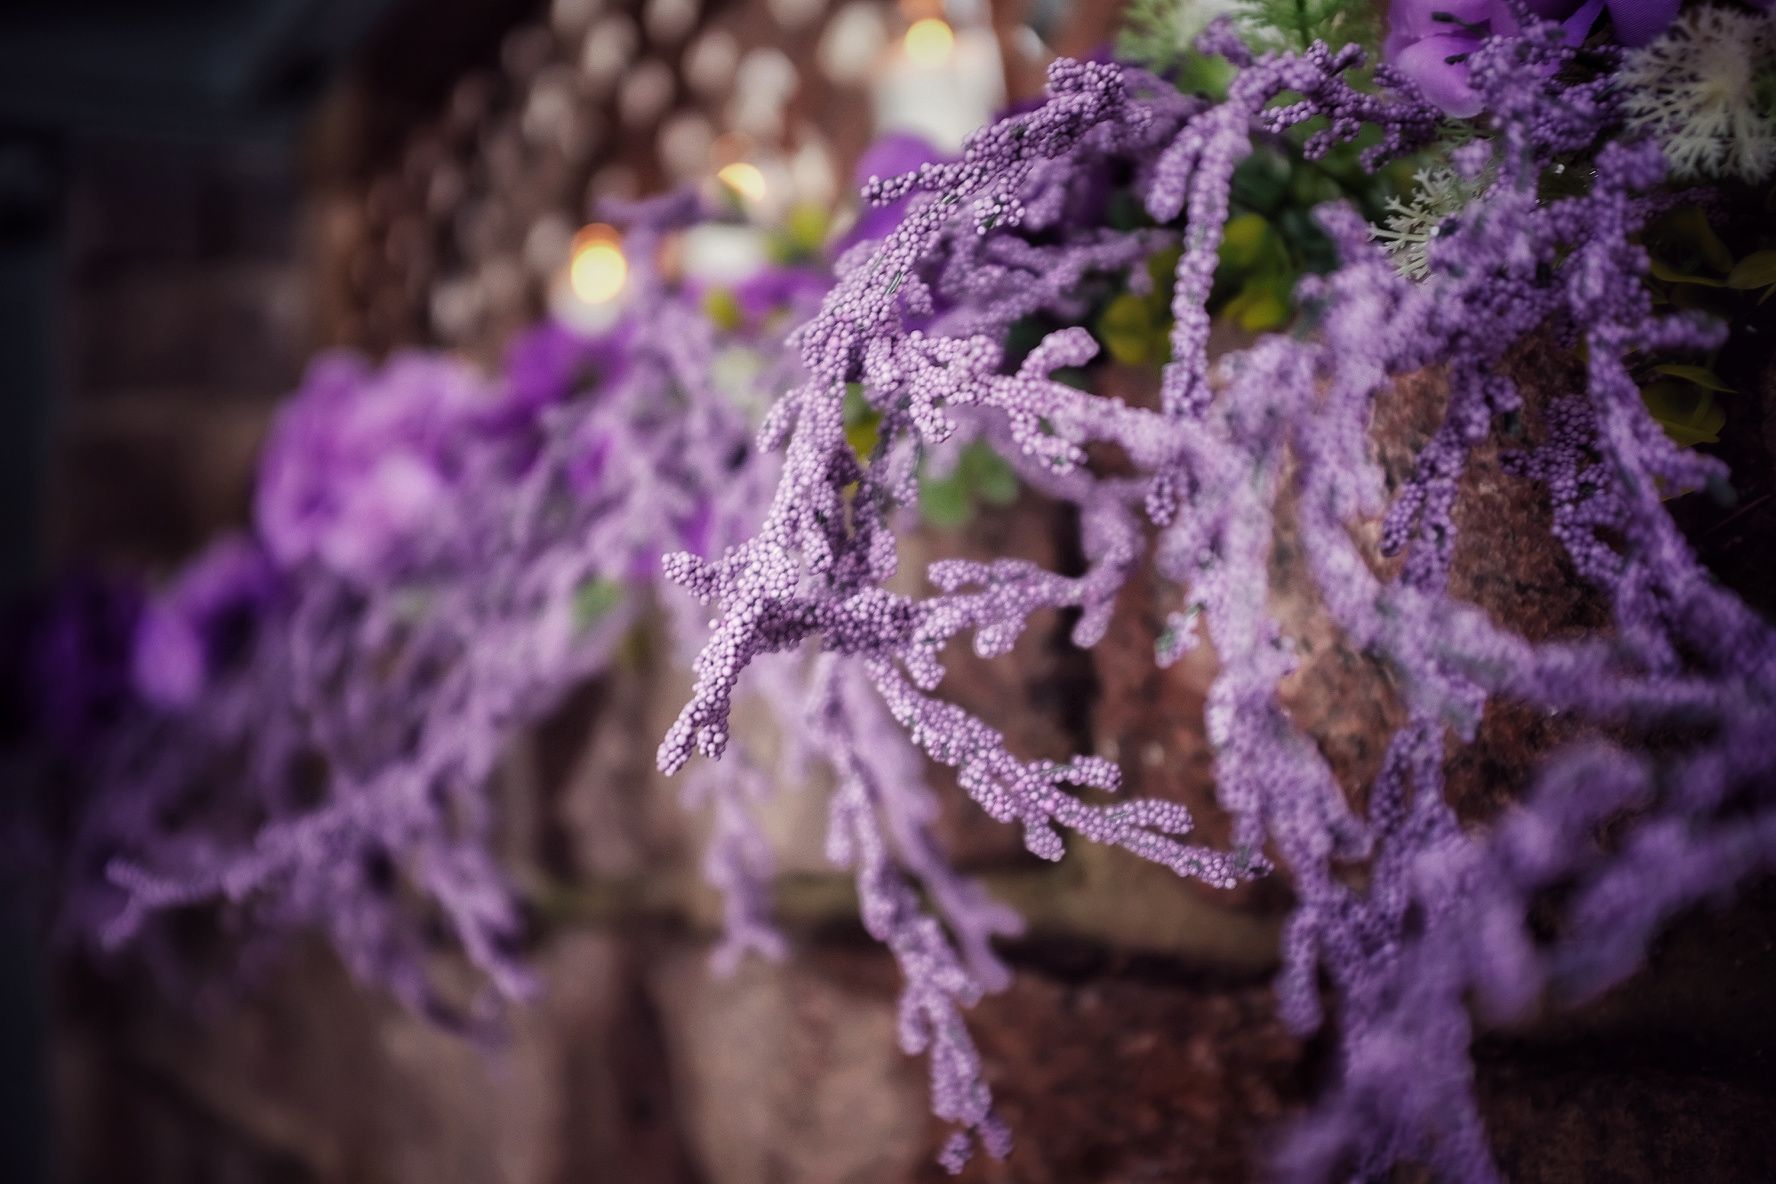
[1410, 225]
[1705, 90]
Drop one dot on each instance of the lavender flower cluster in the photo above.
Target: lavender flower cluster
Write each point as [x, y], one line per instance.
[1022, 225]
[306, 720]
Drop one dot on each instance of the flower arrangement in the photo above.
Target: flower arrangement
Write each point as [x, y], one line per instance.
[1024, 228]
[305, 720]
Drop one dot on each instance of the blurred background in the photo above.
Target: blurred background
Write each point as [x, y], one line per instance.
[198, 195]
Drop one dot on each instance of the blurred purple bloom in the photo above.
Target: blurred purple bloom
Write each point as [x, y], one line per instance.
[1432, 41]
[695, 528]
[591, 446]
[363, 463]
[794, 290]
[1636, 22]
[202, 622]
[553, 362]
[890, 156]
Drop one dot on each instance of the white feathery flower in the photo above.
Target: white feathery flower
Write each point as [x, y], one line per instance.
[1410, 225]
[1706, 90]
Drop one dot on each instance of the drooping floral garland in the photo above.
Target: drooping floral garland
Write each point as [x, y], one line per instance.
[1019, 226]
[306, 720]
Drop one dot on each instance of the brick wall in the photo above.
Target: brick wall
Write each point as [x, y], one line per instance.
[186, 319]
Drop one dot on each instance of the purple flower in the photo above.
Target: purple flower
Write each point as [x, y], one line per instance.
[695, 529]
[890, 156]
[553, 362]
[793, 290]
[363, 464]
[1636, 22]
[1431, 41]
[201, 622]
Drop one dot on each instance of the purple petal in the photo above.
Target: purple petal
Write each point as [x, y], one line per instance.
[1443, 82]
[1414, 20]
[1638, 22]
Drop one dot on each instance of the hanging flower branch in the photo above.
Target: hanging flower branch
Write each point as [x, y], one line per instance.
[304, 722]
[1023, 225]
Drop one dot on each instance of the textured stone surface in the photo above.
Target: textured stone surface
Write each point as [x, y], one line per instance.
[1118, 1077]
[1571, 1126]
[336, 1084]
[1039, 695]
[791, 1072]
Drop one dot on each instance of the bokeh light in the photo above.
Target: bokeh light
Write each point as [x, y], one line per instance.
[929, 42]
[598, 270]
[744, 179]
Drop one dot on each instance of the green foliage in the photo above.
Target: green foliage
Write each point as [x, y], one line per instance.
[722, 308]
[1257, 262]
[1718, 271]
[1688, 413]
[1136, 329]
[1700, 376]
[1687, 252]
[1158, 34]
[802, 237]
[980, 477]
[1133, 330]
[1297, 24]
[863, 423]
[1757, 270]
[1270, 240]
[594, 600]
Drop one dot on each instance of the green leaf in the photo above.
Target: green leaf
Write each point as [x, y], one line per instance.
[1024, 335]
[1756, 270]
[987, 474]
[1702, 376]
[1261, 305]
[722, 308]
[803, 233]
[944, 501]
[1126, 212]
[1260, 181]
[1126, 328]
[863, 436]
[1162, 268]
[863, 423]
[594, 600]
[1243, 241]
[857, 406]
[1689, 415]
[1686, 243]
[1695, 223]
[1671, 275]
